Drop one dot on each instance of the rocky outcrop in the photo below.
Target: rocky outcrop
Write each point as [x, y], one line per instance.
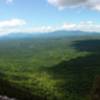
[6, 98]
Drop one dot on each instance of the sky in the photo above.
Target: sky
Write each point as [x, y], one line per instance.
[31, 16]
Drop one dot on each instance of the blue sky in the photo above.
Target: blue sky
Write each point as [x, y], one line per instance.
[49, 15]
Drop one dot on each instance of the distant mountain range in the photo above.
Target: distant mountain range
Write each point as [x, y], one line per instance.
[55, 34]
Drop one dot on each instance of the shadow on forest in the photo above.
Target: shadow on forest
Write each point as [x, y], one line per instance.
[78, 74]
[87, 45]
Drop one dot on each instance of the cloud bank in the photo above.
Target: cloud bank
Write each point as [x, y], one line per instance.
[61, 4]
[18, 25]
[87, 26]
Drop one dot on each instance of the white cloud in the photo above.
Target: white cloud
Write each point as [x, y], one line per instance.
[12, 25]
[66, 3]
[40, 29]
[61, 4]
[88, 26]
[69, 26]
[45, 29]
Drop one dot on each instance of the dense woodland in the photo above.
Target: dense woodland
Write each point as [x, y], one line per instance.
[55, 68]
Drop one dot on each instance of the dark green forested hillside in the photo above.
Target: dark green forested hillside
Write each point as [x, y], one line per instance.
[60, 68]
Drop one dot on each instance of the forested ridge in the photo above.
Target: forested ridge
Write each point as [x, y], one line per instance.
[60, 68]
